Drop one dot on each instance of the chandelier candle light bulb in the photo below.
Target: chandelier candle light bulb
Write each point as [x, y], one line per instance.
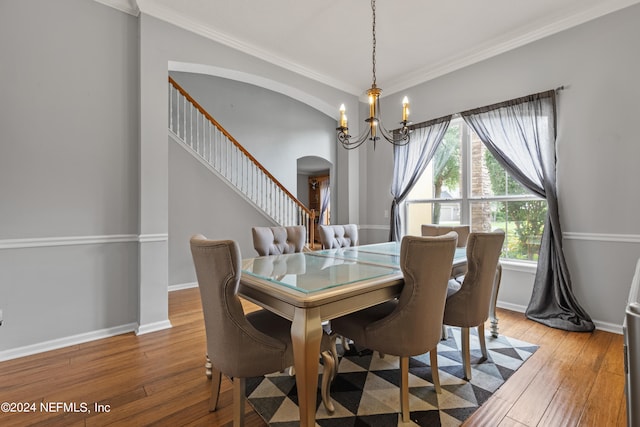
[343, 116]
[405, 109]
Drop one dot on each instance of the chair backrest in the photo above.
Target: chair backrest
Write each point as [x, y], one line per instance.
[634, 290]
[415, 326]
[439, 230]
[631, 333]
[469, 306]
[338, 236]
[279, 240]
[234, 345]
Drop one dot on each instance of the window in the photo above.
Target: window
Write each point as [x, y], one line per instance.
[464, 184]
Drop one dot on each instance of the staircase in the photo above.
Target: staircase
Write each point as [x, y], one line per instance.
[206, 139]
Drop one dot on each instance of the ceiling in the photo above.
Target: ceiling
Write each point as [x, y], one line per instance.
[417, 40]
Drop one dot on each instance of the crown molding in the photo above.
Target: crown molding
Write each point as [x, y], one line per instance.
[496, 47]
[504, 44]
[126, 6]
[149, 8]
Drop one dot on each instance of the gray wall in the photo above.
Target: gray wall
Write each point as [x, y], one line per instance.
[597, 148]
[68, 170]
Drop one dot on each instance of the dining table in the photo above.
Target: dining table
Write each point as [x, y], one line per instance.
[313, 287]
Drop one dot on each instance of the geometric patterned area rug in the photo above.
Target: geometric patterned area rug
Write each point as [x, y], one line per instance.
[366, 389]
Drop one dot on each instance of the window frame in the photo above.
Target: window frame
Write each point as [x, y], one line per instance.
[466, 200]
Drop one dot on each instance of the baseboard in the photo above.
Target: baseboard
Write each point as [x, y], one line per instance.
[66, 342]
[153, 327]
[608, 327]
[513, 307]
[603, 326]
[181, 286]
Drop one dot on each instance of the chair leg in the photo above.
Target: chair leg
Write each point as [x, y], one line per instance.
[216, 378]
[494, 299]
[404, 388]
[466, 353]
[345, 343]
[207, 366]
[445, 334]
[238, 402]
[328, 373]
[483, 343]
[435, 375]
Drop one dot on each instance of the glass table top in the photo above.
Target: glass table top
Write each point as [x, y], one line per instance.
[308, 272]
[389, 259]
[387, 253]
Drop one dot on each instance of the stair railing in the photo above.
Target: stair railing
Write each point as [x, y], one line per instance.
[195, 128]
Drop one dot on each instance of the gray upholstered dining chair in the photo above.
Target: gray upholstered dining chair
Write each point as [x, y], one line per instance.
[468, 303]
[239, 345]
[463, 236]
[338, 236]
[279, 240]
[439, 230]
[411, 324]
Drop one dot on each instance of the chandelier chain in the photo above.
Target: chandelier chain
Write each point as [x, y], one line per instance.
[373, 54]
[374, 130]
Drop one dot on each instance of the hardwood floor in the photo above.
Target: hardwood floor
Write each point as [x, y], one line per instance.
[574, 379]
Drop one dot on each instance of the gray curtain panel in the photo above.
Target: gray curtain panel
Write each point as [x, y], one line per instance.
[325, 196]
[521, 135]
[409, 161]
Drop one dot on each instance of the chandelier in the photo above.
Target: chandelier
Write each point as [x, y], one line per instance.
[374, 128]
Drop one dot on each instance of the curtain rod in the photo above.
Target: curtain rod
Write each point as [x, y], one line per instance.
[459, 114]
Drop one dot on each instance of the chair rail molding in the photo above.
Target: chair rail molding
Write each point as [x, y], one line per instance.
[159, 237]
[373, 227]
[41, 242]
[602, 237]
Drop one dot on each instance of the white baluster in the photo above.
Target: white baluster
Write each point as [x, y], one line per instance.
[209, 142]
[198, 133]
[216, 149]
[170, 109]
[178, 113]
